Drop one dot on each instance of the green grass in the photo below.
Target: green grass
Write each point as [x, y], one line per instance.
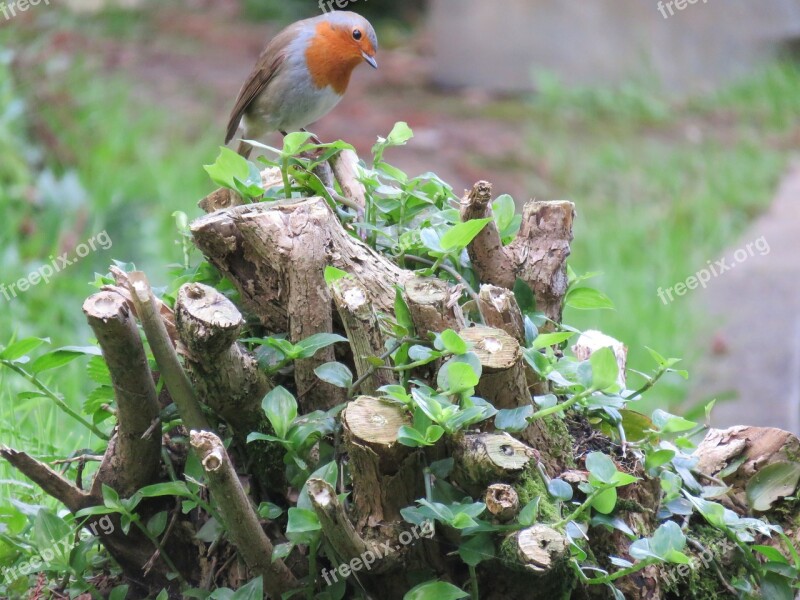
[132, 167]
[660, 189]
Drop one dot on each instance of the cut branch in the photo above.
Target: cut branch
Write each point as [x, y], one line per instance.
[276, 256]
[537, 256]
[240, 518]
[135, 458]
[226, 376]
[169, 365]
[501, 311]
[385, 473]
[434, 307]
[52, 483]
[363, 330]
[339, 531]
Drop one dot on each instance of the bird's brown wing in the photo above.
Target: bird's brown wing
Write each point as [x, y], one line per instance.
[267, 66]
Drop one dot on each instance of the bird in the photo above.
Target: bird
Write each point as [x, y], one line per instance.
[301, 75]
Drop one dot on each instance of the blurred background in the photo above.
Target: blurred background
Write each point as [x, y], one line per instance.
[673, 126]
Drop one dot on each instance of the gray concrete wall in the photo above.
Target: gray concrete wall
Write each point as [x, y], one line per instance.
[499, 44]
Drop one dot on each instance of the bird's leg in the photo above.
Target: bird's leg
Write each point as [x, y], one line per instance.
[314, 138]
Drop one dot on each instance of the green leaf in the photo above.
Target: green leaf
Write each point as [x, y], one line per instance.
[294, 142]
[460, 235]
[400, 134]
[435, 590]
[667, 423]
[658, 458]
[252, 591]
[527, 516]
[168, 488]
[119, 592]
[332, 274]
[772, 554]
[453, 342]
[282, 550]
[605, 502]
[604, 369]
[775, 587]
[459, 377]
[601, 466]
[335, 373]
[311, 345]
[228, 167]
[157, 523]
[513, 420]
[408, 436]
[463, 521]
[585, 298]
[402, 312]
[505, 214]
[58, 358]
[281, 409]
[477, 549]
[543, 340]
[49, 530]
[268, 510]
[21, 347]
[302, 520]
[666, 540]
[560, 490]
[771, 483]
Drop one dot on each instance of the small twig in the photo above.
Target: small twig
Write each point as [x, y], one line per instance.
[175, 377]
[81, 458]
[456, 275]
[156, 422]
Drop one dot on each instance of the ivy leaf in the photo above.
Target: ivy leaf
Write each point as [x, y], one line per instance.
[605, 502]
[604, 369]
[560, 490]
[527, 516]
[477, 549]
[435, 590]
[302, 520]
[332, 275]
[584, 298]
[771, 483]
[601, 466]
[311, 345]
[460, 235]
[335, 373]
[513, 420]
[281, 409]
[453, 343]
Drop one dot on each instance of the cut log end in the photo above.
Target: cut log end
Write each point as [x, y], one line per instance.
[496, 350]
[209, 323]
[540, 548]
[502, 501]
[374, 422]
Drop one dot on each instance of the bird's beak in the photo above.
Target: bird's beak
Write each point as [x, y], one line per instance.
[370, 59]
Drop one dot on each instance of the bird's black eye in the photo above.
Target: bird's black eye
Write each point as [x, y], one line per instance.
[357, 35]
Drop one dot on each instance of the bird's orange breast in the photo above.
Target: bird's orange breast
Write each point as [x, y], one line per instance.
[331, 57]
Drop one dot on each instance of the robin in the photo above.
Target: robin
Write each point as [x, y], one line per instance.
[302, 75]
